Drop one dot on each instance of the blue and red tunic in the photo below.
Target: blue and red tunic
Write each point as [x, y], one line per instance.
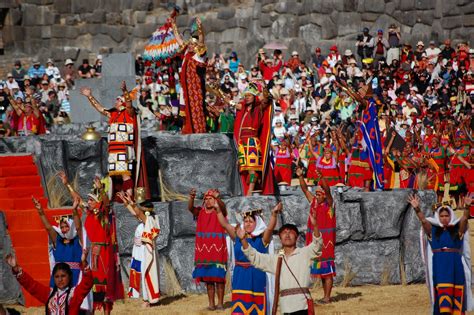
[248, 282]
[448, 273]
[210, 252]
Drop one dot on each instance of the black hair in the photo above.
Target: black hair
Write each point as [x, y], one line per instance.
[453, 230]
[288, 226]
[66, 268]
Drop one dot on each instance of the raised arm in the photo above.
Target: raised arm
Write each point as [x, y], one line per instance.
[325, 186]
[87, 92]
[200, 30]
[176, 33]
[77, 218]
[223, 222]
[267, 235]
[414, 200]
[465, 216]
[191, 208]
[261, 261]
[51, 232]
[62, 176]
[303, 185]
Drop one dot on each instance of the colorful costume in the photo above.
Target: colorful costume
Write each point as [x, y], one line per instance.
[121, 139]
[68, 250]
[323, 266]
[210, 254]
[311, 174]
[62, 299]
[436, 176]
[252, 132]
[283, 160]
[150, 261]
[457, 170]
[329, 170]
[27, 125]
[136, 265]
[359, 168]
[100, 232]
[447, 260]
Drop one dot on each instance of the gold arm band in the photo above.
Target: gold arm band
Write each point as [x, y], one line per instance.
[69, 187]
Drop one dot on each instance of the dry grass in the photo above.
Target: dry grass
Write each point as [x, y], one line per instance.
[173, 288]
[167, 194]
[348, 274]
[57, 192]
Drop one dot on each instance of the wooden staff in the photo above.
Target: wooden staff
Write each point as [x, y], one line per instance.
[277, 285]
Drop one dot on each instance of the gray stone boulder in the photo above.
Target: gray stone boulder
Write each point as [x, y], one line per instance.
[375, 262]
[10, 290]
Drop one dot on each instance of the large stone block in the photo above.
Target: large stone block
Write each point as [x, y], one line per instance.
[183, 223]
[407, 5]
[374, 6]
[349, 224]
[329, 29]
[425, 4]
[311, 33]
[62, 6]
[296, 211]
[10, 290]
[451, 22]
[292, 7]
[226, 13]
[181, 163]
[348, 23]
[184, 264]
[410, 239]
[143, 30]
[285, 26]
[238, 204]
[384, 213]
[31, 14]
[372, 262]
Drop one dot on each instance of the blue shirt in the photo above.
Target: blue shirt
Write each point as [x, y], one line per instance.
[36, 73]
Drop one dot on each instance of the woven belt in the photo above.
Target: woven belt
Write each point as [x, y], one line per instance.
[294, 291]
[446, 250]
[73, 265]
[243, 264]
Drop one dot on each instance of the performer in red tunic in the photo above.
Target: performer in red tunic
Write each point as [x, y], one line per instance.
[210, 255]
[126, 156]
[322, 204]
[459, 166]
[283, 160]
[359, 173]
[192, 79]
[252, 131]
[100, 233]
[437, 154]
[327, 166]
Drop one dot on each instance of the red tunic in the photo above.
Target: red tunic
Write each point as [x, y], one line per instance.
[210, 252]
[457, 169]
[282, 168]
[42, 292]
[359, 170]
[439, 156]
[329, 170]
[326, 219]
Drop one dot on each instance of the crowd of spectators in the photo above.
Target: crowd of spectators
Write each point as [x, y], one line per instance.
[420, 92]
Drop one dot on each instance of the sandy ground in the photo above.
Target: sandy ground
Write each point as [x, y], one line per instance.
[392, 299]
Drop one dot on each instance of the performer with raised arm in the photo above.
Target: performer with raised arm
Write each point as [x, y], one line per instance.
[63, 297]
[192, 77]
[126, 158]
[322, 206]
[144, 273]
[252, 133]
[291, 267]
[65, 239]
[249, 285]
[210, 255]
[447, 257]
[100, 233]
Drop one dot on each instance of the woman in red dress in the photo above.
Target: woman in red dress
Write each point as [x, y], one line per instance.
[314, 153]
[210, 255]
[327, 165]
[283, 160]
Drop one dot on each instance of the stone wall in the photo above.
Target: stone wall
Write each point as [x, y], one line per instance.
[74, 28]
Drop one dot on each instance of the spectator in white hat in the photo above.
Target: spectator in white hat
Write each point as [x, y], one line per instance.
[279, 131]
[294, 61]
[419, 51]
[69, 73]
[51, 70]
[11, 83]
[432, 52]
